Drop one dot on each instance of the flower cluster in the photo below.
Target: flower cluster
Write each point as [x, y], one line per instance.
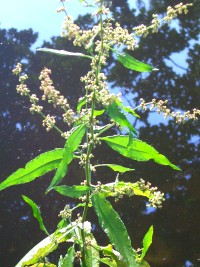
[99, 88]
[172, 12]
[49, 122]
[160, 106]
[66, 213]
[156, 198]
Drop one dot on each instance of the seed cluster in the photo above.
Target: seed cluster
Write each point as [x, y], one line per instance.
[160, 106]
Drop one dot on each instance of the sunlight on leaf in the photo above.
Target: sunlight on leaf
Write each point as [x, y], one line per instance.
[35, 168]
[36, 213]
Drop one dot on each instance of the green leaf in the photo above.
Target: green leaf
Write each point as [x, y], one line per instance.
[37, 167]
[72, 191]
[36, 213]
[114, 255]
[130, 62]
[98, 112]
[62, 52]
[68, 260]
[81, 103]
[147, 241]
[127, 109]
[136, 150]
[114, 228]
[92, 254]
[108, 262]
[116, 168]
[46, 246]
[71, 145]
[43, 265]
[115, 113]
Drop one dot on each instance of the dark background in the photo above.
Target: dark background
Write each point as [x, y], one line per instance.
[176, 241]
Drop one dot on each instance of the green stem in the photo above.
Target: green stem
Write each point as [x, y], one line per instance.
[90, 145]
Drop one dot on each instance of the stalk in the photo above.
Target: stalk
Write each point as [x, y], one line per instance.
[90, 145]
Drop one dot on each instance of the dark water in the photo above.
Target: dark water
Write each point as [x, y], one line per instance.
[176, 241]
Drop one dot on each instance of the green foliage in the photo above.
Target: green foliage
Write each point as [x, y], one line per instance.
[116, 168]
[115, 113]
[113, 225]
[68, 259]
[71, 145]
[75, 191]
[147, 241]
[37, 167]
[36, 213]
[136, 150]
[46, 246]
[84, 135]
[130, 62]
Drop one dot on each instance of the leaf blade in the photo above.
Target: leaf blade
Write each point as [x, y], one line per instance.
[136, 150]
[116, 168]
[68, 259]
[35, 168]
[130, 62]
[74, 191]
[147, 241]
[36, 213]
[113, 225]
[62, 52]
[115, 113]
[71, 145]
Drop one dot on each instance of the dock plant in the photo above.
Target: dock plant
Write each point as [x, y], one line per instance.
[86, 131]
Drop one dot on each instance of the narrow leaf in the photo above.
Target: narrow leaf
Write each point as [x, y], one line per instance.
[114, 228]
[36, 213]
[92, 254]
[98, 112]
[72, 191]
[62, 52]
[37, 167]
[127, 109]
[46, 246]
[108, 262]
[68, 260]
[147, 241]
[130, 62]
[115, 113]
[115, 167]
[81, 103]
[71, 145]
[136, 150]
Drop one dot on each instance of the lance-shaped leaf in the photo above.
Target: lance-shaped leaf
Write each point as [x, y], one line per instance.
[37, 167]
[136, 149]
[81, 103]
[91, 253]
[36, 213]
[147, 241]
[127, 109]
[114, 260]
[75, 191]
[71, 145]
[115, 113]
[130, 62]
[116, 168]
[46, 246]
[62, 52]
[68, 260]
[114, 228]
[98, 112]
